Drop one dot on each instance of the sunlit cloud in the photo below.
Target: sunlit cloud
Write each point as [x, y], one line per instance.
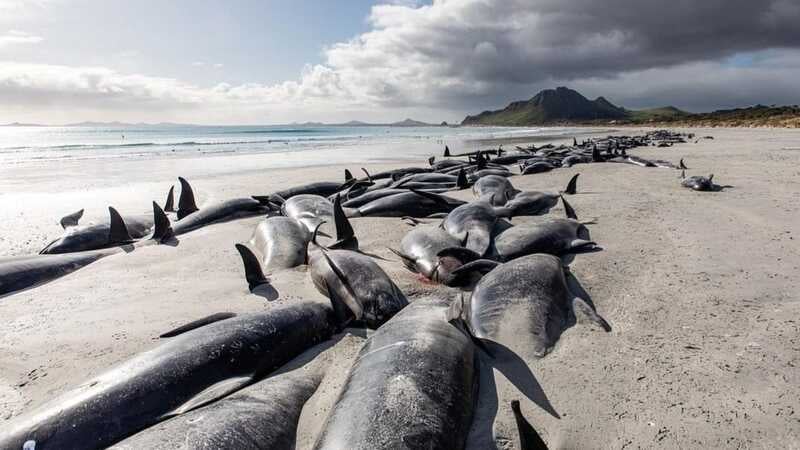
[15, 37]
[457, 57]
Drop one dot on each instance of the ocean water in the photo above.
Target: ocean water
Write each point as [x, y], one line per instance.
[19, 144]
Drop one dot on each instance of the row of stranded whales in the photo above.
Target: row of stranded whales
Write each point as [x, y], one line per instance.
[227, 380]
[192, 369]
[24, 272]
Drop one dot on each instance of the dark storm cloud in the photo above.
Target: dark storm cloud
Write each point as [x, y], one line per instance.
[466, 53]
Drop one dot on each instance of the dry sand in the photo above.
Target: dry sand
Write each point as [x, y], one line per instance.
[701, 290]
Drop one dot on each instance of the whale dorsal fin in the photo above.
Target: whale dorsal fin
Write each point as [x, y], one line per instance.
[71, 220]
[345, 236]
[169, 205]
[117, 232]
[529, 439]
[186, 202]
[431, 160]
[253, 272]
[572, 186]
[462, 181]
[369, 177]
[446, 151]
[162, 229]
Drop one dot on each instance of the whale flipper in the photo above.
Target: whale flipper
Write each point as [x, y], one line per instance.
[253, 272]
[186, 202]
[118, 232]
[568, 209]
[462, 254]
[71, 220]
[211, 394]
[482, 266]
[197, 324]
[353, 304]
[529, 439]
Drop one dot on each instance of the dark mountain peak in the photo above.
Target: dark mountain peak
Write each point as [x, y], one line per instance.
[550, 106]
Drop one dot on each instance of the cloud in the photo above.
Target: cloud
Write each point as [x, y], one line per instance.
[472, 51]
[453, 57]
[14, 37]
[81, 89]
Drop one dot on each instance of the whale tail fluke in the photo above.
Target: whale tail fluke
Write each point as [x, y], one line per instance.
[71, 220]
[253, 272]
[118, 231]
[186, 202]
[162, 229]
[529, 439]
[169, 205]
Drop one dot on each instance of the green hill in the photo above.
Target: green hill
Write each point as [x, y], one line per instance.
[550, 106]
[566, 106]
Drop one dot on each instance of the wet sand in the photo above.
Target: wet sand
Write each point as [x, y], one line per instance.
[700, 289]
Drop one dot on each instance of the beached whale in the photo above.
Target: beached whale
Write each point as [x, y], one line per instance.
[524, 304]
[349, 277]
[412, 203]
[413, 386]
[23, 272]
[190, 370]
[534, 203]
[419, 253]
[472, 224]
[263, 416]
[190, 217]
[282, 243]
[116, 231]
[698, 182]
[308, 209]
[554, 236]
[495, 188]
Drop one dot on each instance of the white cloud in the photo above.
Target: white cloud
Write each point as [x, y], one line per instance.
[454, 57]
[14, 37]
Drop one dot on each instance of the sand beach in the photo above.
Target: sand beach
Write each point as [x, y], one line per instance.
[700, 289]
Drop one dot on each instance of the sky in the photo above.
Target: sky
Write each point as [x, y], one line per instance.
[276, 61]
